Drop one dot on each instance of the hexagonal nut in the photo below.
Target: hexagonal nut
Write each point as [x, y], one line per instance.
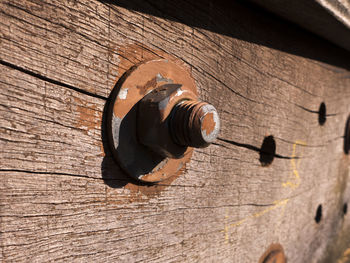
[153, 119]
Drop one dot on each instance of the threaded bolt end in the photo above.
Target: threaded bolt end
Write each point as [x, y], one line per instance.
[194, 124]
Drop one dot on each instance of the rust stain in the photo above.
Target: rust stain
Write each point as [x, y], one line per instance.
[171, 167]
[88, 116]
[151, 84]
[89, 119]
[135, 54]
[152, 190]
[136, 193]
[148, 76]
[208, 124]
[132, 54]
[139, 193]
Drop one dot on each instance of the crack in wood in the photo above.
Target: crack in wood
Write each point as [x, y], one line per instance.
[56, 82]
[256, 149]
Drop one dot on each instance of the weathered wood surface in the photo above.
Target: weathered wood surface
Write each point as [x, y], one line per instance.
[62, 198]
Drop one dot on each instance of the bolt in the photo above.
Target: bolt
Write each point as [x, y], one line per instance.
[194, 123]
[170, 119]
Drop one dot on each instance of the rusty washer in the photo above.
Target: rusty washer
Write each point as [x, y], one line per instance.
[274, 254]
[154, 119]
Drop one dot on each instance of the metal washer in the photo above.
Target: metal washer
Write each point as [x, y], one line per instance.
[135, 159]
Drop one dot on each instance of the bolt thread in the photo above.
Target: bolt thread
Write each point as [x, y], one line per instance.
[185, 124]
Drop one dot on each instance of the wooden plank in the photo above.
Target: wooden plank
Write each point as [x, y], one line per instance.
[89, 56]
[46, 217]
[65, 42]
[47, 128]
[46, 172]
[62, 200]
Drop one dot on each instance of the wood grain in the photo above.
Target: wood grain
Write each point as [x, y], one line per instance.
[62, 196]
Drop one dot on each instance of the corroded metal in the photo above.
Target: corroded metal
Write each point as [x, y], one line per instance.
[134, 158]
[154, 115]
[194, 123]
[274, 254]
[155, 119]
[170, 119]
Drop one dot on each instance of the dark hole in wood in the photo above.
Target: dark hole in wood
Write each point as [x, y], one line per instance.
[347, 136]
[318, 216]
[322, 114]
[267, 151]
[345, 208]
